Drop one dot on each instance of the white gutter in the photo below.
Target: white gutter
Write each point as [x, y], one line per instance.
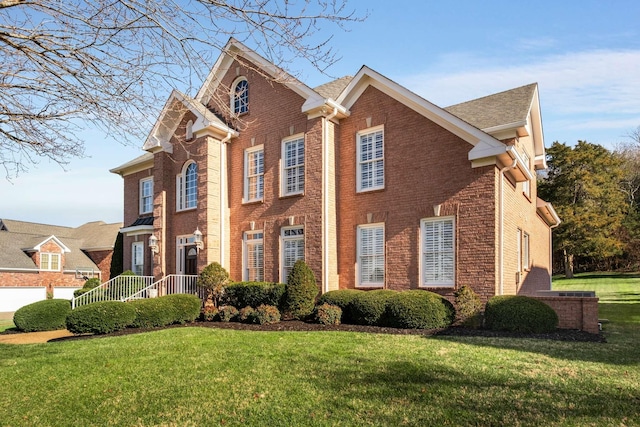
[223, 198]
[325, 200]
[501, 227]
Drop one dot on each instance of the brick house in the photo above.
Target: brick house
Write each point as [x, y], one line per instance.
[372, 185]
[41, 260]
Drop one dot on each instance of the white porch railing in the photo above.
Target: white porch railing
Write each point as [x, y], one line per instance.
[119, 288]
[171, 284]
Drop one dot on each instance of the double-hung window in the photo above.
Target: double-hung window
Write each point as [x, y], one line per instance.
[137, 258]
[292, 249]
[437, 256]
[253, 256]
[49, 261]
[254, 174]
[293, 166]
[370, 160]
[187, 187]
[146, 195]
[370, 267]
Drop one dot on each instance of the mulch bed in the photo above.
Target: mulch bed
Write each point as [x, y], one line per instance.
[294, 325]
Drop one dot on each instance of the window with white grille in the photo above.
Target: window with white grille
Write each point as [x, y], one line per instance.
[370, 160]
[370, 268]
[146, 195]
[49, 261]
[525, 251]
[253, 174]
[240, 96]
[437, 252]
[187, 187]
[526, 185]
[137, 258]
[293, 166]
[292, 249]
[253, 256]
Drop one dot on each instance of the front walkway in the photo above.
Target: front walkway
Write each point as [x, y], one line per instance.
[33, 337]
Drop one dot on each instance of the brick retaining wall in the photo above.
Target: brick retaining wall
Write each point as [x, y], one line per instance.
[575, 312]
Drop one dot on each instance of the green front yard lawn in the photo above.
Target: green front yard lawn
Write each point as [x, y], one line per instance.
[192, 376]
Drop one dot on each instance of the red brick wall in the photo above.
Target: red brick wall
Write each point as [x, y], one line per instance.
[48, 279]
[575, 312]
[131, 213]
[103, 260]
[425, 165]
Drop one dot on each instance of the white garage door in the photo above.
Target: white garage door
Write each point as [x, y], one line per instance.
[12, 299]
[63, 293]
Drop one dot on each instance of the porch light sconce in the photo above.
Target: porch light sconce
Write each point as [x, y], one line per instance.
[153, 244]
[197, 239]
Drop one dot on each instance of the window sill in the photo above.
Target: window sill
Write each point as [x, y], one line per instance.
[252, 202]
[186, 210]
[451, 286]
[372, 190]
[289, 196]
[365, 287]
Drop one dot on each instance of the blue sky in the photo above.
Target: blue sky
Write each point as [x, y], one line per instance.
[585, 56]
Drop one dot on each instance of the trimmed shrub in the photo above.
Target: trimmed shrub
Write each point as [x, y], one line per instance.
[46, 315]
[519, 313]
[254, 294]
[300, 292]
[88, 285]
[101, 317]
[417, 309]
[368, 308]
[186, 308]
[209, 313]
[343, 299]
[152, 313]
[468, 307]
[227, 313]
[267, 314]
[247, 315]
[327, 314]
[213, 279]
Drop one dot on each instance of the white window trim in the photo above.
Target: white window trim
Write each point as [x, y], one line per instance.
[245, 198]
[232, 97]
[526, 185]
[181, 188]
[181, 244]
[133, 257]
[359, 134]
[141, 189]
[359, 282]
[245, 252]
[443, 283]
[283, 240]
[526, 251]
[50, 256]
[283, 165]
[519, 249]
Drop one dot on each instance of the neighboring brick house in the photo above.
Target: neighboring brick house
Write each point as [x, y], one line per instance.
[372, 185]
[37, 260]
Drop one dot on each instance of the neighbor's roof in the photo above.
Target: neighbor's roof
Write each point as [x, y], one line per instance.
[510, 106]
[333, 88]
[17, 238]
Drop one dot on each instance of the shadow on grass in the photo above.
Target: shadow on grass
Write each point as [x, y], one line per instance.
[607, 275]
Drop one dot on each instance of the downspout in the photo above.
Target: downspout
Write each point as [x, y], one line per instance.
[501, 227]
[223, 198]
[325, 199]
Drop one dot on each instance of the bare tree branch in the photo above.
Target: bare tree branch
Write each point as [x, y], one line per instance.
[111, 63]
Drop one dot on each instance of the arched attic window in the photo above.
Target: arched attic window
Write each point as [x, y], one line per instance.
[187, 187]
[240, 96]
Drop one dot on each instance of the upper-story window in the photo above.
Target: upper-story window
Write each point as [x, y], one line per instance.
[240, 96]
[254, 174]
[146, 195]
[49, 261]
[526, 185]
[370, 152]
[293, 166]
[187, 187]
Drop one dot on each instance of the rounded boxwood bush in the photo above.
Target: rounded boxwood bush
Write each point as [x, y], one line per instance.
[184, 307]
[417, 309]
[343, 299]
[267, 314]
[94, 282]
[227, 313]
[254, 294]
[518, 313]
[152, 313]
[247, 314]
[468, 307]
[101, 317]
[327, 314]
[368, 308]
[45, 315]
[300, 292]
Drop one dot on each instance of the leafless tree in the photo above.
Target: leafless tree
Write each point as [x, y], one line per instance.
[629, 151]
[112, 63]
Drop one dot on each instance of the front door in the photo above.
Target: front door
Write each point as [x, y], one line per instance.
[191, 260]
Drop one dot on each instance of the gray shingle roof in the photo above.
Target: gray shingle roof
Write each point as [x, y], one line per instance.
[510, 106]
[16, 236]
[333, 88]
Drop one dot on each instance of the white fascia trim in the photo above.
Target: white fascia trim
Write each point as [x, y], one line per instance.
[133, 168]
[551, 212]
[35, 270]
[368, 77]
[508, 126]
[136, 230]
[540, 161]
[55, 239]
[315, 105]
[482, 152]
